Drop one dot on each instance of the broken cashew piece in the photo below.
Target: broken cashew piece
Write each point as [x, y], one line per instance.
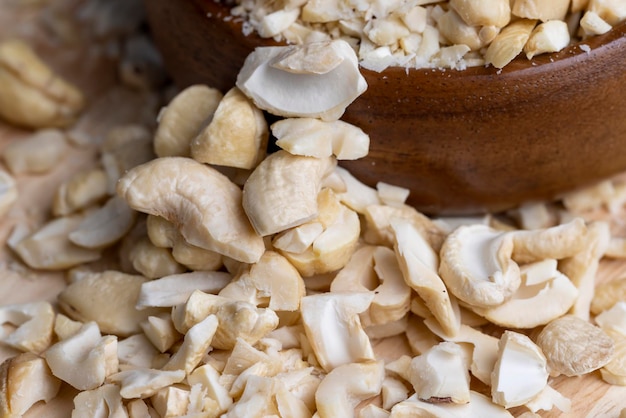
[317, 80]
[204, 204]
[315, 138]
[34, 322]
[344, 387]
[25, 380]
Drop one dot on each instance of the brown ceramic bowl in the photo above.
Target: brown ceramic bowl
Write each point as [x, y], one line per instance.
[462, 141]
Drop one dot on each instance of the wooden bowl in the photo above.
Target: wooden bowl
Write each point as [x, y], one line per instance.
[463, 142]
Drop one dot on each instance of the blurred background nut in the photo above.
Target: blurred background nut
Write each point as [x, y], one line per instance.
[31, 94]
[36, 154]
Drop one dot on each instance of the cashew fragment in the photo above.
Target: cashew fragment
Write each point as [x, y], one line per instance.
[483, 13]
[533, 305]
[203, 203]
[236, 136]
[550, 36]
[541, 10]
[175, 289]
[478, 406]
[34, 323]
[104, 401]
[183, 119]
[49, 248]
[104, 226]
[143, 383]
[509, 42]
[282, 191]
[107, 298]
[153, 262]
[195, 345]
[574, 347]
[333, 328]
[272, 282]
[317, 80]
[376, 268]
[520, 373]
[237, 319]
[85, 359]
[160, 331]
[440, 374]
[315, 138]
[476, 265]
[608, 295]
[332, 248]
[25, 380]
[419, 264]
[37, 154]
[345, 386]
[164, 234]
[31, 95]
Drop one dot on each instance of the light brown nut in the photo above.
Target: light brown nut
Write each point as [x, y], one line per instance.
[452, 26]
[608, 294]
[109, 299]
[183, 119]
[162, 233]
[173, 290]
[509, 42]
[206, 205]
[82, 190]
[236, 136]
[282, 191]
[36, 154]
[31, 94]
[153, 262]
[574, 347]
[483, 12]
[49, 247]
[143, 383]
[25, 380]
[550, 36]
[104, 226]
[541, 10]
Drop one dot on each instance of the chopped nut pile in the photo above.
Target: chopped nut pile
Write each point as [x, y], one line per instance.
[430, 33]
[208, 277]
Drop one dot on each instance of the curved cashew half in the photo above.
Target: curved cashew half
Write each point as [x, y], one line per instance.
[476, 265]
[204, 204]
[282, 191]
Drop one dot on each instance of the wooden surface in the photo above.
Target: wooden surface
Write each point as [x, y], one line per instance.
[590, 396]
